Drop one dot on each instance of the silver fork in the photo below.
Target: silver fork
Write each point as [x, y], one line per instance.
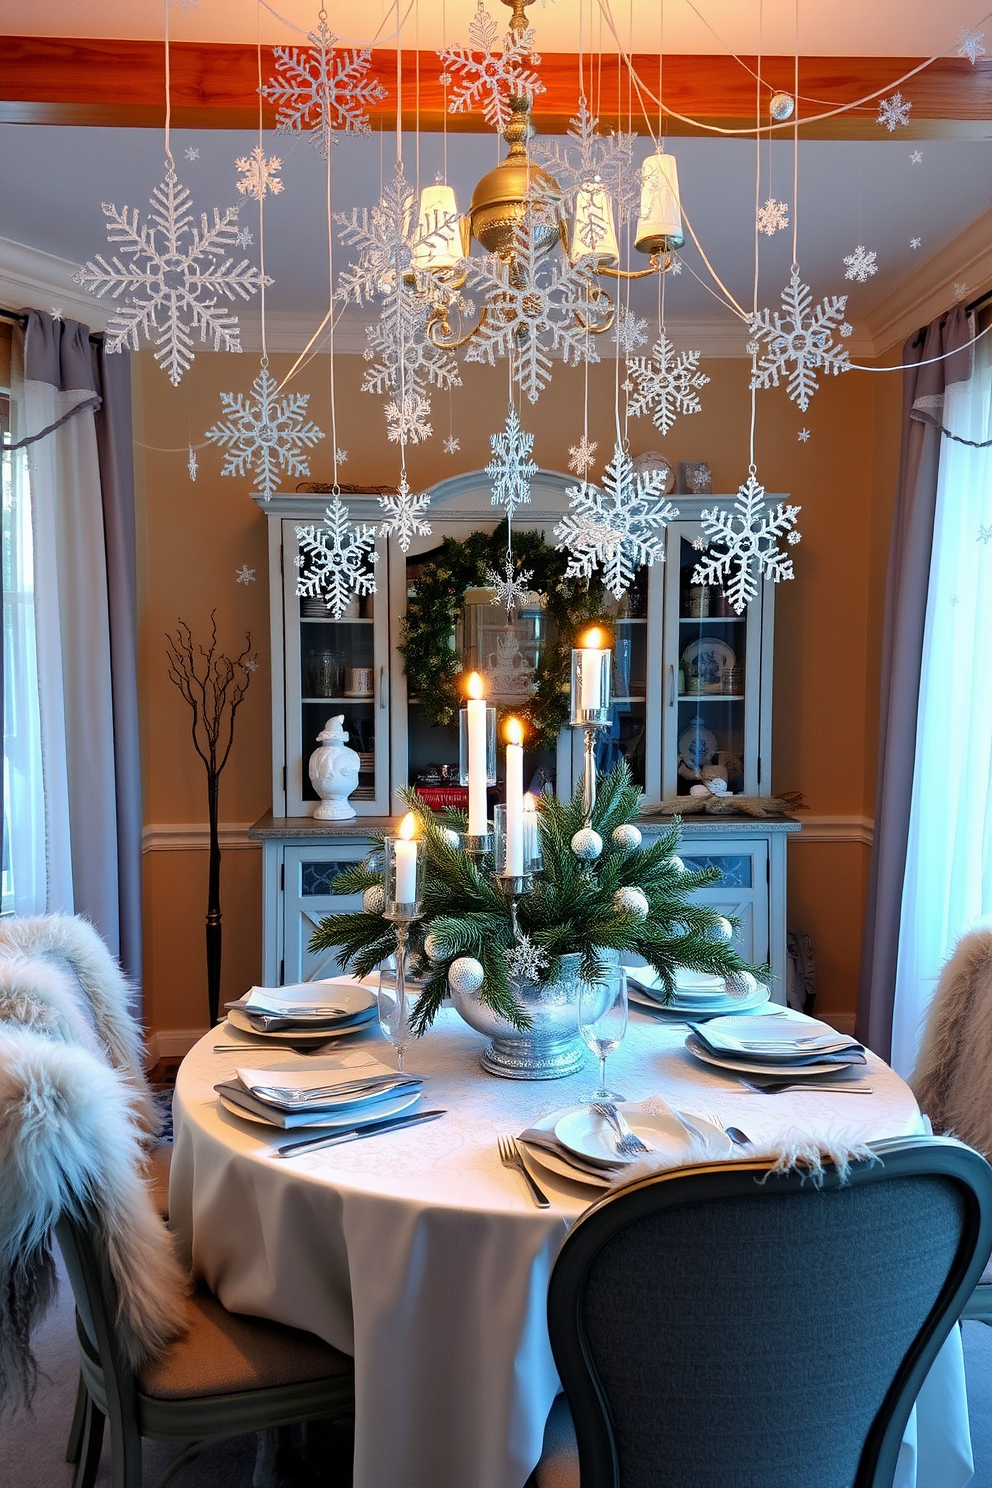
[628, 1142]
[268, 1048]
[738, 1137]
[780, 1086]
[510, 1157]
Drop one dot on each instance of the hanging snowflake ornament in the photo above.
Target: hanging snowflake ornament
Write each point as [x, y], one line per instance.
[407, 419]
[244, 574]
[511, 588]
[340, 457]
[404, 515]
[525, 961]
[258, 174]
[586, 158]
[321, 90]
[582, 456]
[893, 112]
[630, 332]
[985, 534]
[191, 152]
[617, 528]
[744, 546]
[915, 242]
[960, 289]
[803, 436]
[245, 237]
[772, 217]
[171, 276]
[451, 445]
[801, 336]
[665, 383]
[971, 44]
[489, 72]
[860, 264]
[336, 559]
[265, 433]
[511, 469]
[916, 158]
[191, 462]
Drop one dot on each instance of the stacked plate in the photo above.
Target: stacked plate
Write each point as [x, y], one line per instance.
[334, 1091]
[696, 993]
[788, 1045]
[305, 1012]
[580, 1145]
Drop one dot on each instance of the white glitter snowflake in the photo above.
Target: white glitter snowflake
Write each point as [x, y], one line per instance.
[586, 158]
[404, 515]
[800, 334]
[617, 528]
[451, 445]
[893, 111]
[772, 217]
[960, 289]
[192, 465]
[510, 588]
[629, 332]
[665, 383]
[336, 560]
[244, 574]
[971, 44]
[675, 267]
[860, 264]
[245, 237]
[582, 456]
[488, 72]
[743, 546]
[803, 436]
[916, 158]
[985, 534]
[511, 469]
[340, 457]
[259, 174]
[265, 434]
[915, 242]
[322, 90]
[525, 961]
[408, 419]
[251, 665]
[536, 304]
[171, 276]
[191, 152]
[56, 312]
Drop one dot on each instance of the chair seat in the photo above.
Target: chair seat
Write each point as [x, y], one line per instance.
[559, 1464]
[226, 1353]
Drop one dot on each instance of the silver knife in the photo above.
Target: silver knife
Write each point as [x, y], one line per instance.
[368, 1129]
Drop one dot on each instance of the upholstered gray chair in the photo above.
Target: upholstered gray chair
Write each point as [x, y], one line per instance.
[724, 1324]
[228, 1375]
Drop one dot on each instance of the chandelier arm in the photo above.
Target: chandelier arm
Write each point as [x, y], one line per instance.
[658, 264]
[594, 328]
[438, 327]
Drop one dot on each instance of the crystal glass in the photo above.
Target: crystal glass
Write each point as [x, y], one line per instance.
[403, 875]
[603, 1021]
[532, 839]
[396, 1000]
[590, 692]
[490, 745]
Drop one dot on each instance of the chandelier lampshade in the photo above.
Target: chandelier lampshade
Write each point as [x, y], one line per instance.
[438, 245]
[659, 226]
[594, 234]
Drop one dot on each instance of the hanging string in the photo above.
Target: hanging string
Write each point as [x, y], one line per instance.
[168, 93]
[261, 185]
[757, 150]
[444, 91]
[795, 152]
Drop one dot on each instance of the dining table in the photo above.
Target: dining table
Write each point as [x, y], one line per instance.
[422, 1256]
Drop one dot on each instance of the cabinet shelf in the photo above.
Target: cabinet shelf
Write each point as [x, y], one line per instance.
[711, 697]
[330, 620]
[711, 619]
[350, 701]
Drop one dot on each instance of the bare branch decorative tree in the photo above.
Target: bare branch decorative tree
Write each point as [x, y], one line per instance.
[214, 685]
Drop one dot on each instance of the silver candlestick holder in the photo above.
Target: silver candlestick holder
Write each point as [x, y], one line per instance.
[477, 845]
[513, 886]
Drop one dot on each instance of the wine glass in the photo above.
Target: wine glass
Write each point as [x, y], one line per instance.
[603, 1021]
[394, 1013]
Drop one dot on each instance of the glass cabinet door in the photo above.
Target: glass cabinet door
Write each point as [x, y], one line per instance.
[337, 666]
[712, 678]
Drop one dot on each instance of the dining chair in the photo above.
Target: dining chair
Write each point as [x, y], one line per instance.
[228, 1375]
[730, 1324]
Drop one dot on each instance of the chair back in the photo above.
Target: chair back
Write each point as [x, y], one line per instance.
[725, 1324]
[105, 1367]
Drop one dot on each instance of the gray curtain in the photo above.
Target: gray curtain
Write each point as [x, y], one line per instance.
[925, 380]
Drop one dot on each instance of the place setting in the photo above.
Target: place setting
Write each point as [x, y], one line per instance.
[305, 1012]
[785, 1051]
[697, 995]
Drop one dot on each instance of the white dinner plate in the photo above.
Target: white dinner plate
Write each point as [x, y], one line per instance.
[237, 1019]
[715, 1008]
[591, 1137]
[557, 1165]
[355, 1116]
[795, 1072]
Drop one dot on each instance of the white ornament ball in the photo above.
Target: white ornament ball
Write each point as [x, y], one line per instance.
[780, 106]
[587, 844]
[676, 863]
[433, 947]
[451, 837]
[631, 901]
[723, 929]
[627, 836]
[465, 974]
[374, 900]
[740, 984]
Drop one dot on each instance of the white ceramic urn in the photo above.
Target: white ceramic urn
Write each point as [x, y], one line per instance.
[334, 772]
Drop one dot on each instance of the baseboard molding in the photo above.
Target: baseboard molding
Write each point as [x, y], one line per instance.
[835, 829]
[170, 1043]
[193, 836]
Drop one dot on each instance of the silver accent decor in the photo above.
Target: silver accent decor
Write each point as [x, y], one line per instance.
[551, 1047]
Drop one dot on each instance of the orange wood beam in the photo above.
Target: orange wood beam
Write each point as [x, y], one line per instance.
[58, 80]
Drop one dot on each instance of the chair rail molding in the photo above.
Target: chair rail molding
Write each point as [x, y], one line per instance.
[835, 829]
[193, 836]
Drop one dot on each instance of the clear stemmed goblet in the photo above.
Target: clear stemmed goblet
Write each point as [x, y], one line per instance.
[395, 1008]
[603, 1021]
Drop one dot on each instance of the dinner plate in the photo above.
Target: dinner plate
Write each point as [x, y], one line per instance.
[712, 657]
[355, 1116]
[582, 1131]
[557, 1165]
[795, 1072]
[237, 1019]
[713, 1009]
[697, 744]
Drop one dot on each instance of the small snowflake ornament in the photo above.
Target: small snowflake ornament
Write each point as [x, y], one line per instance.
[799, 334]
[488, 72]
[985, 534]
[960, 289]
[321, 89]
[335, 560]
[267, 434]
[772, 217]
[511, 468]
[451, 445]
[617, 528]
[744, 546]
[56, 312]
[860, 264]
[582, 456]
[245, 237]
[525, 961]
[191, 152]
[915, 242]
[244, 574]
[971, 44]
[192, 466]
[630, 332]
[916, 158]
[665, 383]
[893, 112]
[408, 419]
[258, 174]
[803, 436]
[511, 588]
[404, 515]
[340, 457]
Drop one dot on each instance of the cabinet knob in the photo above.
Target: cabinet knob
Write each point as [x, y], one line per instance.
[671, 686]
[382, 687]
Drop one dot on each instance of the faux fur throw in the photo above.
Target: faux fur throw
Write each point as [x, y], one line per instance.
[57, 976]
[953, 1076]
[70, 1142]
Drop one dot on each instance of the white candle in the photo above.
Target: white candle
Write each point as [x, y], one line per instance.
[478, 801]
[591, 672]
[514, 798]
[530, 829]
[405, 858]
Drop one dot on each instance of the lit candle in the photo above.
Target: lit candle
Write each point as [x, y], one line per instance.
[478, 802]
[514, 864]
[530, 829]
[591, 671]
[405, 858]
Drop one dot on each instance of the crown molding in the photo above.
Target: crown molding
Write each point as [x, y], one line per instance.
[32, 279]
[929, 291]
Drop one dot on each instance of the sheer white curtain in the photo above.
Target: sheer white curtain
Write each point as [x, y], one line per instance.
[948, 883]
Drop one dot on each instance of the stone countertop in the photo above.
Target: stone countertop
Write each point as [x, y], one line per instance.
[303, 828]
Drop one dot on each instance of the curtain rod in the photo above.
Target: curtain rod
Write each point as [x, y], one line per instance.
[20, 318]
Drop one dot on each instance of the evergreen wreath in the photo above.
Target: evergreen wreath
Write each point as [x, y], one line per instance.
[570, 908]
[431, 663]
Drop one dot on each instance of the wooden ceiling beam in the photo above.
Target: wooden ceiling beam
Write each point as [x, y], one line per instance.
[58, 80]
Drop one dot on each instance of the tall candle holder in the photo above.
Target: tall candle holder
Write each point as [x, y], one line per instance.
[477, 763]
[590, 700]
[403, 891]
[513, 885]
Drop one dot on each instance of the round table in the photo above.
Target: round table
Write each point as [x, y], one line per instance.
[422, 1256]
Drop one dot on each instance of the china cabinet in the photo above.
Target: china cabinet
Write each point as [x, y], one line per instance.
[691, 693]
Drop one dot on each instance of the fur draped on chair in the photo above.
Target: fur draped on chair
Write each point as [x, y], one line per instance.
[953, 1076]
[70, 1141]
[58, 977]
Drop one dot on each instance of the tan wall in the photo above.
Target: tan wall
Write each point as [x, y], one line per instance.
[193, 537]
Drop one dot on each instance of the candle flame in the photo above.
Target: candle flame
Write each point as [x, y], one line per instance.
[530, 801]
[592, 640]
[514, 731]
[408, 826]
[475, 686]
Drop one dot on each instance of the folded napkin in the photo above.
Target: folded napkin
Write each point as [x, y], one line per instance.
[699, 1040]
[287, 1119]
[304, 1005]
[546, 1141]
[360, 1082]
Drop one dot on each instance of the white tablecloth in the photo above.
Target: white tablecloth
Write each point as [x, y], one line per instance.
[419, 1254]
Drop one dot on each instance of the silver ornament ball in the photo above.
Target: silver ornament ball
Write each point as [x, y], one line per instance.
[374, 900]
[780, 106]
[465, 975]
[451, 837]
[723, 929]
[676, 863]
[433, 947]
[740, 985]
[631, 901]
[627, 836]
[587, 844]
